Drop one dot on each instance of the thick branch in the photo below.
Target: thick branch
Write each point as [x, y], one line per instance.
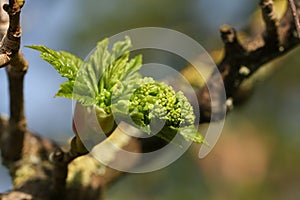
[34, 175]
[12, 141]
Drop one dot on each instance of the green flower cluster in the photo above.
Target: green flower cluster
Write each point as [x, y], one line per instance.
[156, 100]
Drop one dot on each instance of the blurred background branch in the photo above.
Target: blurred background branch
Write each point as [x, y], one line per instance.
[242, 61]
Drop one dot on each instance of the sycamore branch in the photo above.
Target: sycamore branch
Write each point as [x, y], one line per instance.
[241, 61]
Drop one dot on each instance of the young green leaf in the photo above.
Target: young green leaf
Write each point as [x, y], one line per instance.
[110, 82]
[66, 64]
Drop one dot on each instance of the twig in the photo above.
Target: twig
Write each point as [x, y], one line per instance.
[270, 36]
[11, 41]
[295, 16]
[4, 20]
[60, 161]
[13, 141]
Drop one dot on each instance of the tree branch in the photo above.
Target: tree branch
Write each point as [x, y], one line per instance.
[241, 61]
[13, 140]
[10, 44]
[295, 16]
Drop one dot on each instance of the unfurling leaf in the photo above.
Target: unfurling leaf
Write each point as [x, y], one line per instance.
[110, 82]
